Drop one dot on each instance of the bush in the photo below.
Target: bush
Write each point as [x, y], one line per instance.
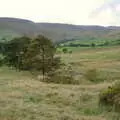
[111, 97]
[60, 79]
[65, 50]
[91, 75]
[62, 76]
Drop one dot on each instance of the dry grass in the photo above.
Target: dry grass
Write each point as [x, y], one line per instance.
[24, 98]
[105, 60]
[30, 99]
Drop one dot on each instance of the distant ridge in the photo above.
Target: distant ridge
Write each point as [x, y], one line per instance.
[10, 19]
[14, 27]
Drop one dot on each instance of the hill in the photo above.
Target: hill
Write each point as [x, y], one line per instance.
[13, 27]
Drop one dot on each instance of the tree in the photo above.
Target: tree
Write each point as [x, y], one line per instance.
[14, 51]
[106, 43]
[93, 44]
[32, 54]
[40, 56]
[65, 50]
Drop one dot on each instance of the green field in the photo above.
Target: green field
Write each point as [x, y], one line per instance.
[24, 97]
[96, 41]
[89, 43]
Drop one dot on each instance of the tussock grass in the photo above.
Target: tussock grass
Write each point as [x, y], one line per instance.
[22, 97]
[26, 98]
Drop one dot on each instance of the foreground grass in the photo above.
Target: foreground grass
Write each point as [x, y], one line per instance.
[24, 98]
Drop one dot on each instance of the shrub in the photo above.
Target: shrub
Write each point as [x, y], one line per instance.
[62, 76]
[93, 45]
[91, 75]
[111, 97]
[60, 79]
[65, 50]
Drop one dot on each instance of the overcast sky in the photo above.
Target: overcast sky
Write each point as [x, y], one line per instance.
[82, 12]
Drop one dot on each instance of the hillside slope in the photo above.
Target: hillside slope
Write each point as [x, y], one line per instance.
[12, 27]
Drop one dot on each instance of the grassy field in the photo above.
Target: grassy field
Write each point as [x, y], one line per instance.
[23, 97]
[97, 41]
[76, 45]
[105, 60]
[86, 41]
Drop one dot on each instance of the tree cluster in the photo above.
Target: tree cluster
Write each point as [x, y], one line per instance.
[36, 54]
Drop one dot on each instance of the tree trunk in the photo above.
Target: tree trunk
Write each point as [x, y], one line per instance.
[43, 60]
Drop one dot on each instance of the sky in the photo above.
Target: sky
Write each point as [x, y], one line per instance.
[80, 12]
